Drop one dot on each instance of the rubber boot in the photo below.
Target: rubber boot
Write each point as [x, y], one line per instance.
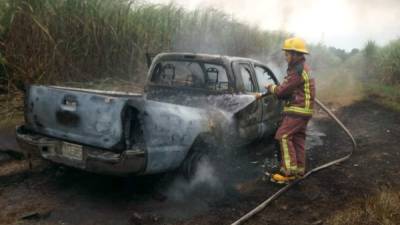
[281, 178]
[300, 173]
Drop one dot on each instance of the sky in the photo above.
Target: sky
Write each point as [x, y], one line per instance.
[344, 24]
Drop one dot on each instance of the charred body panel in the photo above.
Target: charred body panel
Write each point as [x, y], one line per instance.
[90, 119]
[90, 159]
[233, 116]
[163, 141]
[129, 133]
[169, 133]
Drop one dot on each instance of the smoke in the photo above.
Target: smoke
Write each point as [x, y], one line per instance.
[287, 9]
[338, 74]
[314, 135]
[205, 185]
[278, 69]
[346, 24]
[186, 198]
[215, 180]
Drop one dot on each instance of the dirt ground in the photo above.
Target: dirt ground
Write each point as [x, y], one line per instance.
[222, 191]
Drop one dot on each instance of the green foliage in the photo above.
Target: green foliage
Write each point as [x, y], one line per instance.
[323, 59]
[382, 64]
[52, 41]
[49, 41]
[389, 64]
[371, 55]
[370, 50]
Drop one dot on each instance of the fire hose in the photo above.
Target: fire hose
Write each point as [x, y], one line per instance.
[264, 204]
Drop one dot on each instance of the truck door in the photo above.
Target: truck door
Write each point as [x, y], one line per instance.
[250, 117]
[271, 106]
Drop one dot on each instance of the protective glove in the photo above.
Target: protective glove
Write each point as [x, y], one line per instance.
[271, 88]
[259, 95]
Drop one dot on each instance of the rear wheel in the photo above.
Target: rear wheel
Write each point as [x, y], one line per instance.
[193, 162]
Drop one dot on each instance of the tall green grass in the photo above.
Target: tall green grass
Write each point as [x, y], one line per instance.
[389, 63]
[50, 41]
[381, 64]
[58, 41]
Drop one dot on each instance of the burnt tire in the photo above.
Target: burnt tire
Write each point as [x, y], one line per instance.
[192, 163]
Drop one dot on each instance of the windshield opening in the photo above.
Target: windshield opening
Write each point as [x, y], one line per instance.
[191, 74]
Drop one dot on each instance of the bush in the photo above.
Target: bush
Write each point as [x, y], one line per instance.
[389, 66]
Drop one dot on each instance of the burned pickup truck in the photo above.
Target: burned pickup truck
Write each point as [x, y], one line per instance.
[190, 102]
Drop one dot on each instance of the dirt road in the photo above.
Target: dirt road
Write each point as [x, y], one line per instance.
[223, 190]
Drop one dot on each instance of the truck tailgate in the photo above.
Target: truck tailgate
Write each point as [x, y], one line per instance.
[80, 116]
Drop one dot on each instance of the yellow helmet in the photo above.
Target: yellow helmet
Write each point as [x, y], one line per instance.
[295, 44]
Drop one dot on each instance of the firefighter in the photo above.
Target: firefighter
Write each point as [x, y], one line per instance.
[298, 92]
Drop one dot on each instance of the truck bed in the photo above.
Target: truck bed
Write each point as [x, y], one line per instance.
[87, 116]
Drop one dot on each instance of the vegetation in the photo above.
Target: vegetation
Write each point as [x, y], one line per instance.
[382, 208]
[382, 73]
[87, 42]
[384, 94]
[372, 72]
[50, 41]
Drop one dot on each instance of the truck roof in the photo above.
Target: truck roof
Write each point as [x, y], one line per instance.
[203, 57]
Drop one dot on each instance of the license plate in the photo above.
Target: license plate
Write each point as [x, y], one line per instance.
[72, 151]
